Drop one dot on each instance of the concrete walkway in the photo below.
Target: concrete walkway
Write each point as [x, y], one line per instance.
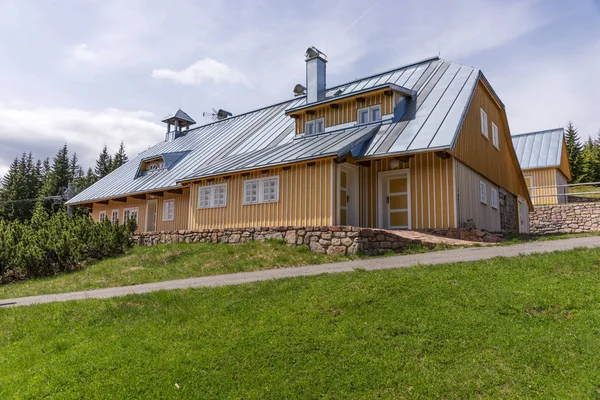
[372, 264]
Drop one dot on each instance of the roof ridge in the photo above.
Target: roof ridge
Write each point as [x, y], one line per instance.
[538, 132]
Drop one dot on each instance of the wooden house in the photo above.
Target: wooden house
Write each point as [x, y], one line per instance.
[423, 146]
[545, 164]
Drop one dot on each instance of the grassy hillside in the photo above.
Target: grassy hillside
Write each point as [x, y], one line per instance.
[526, 327]
[172, 261]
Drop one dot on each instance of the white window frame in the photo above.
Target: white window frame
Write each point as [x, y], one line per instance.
[483, 192]
[484, 124]
[168, 213]
[494, 195]
[319, 122]
[101, 216]
[112, 216]
[260, 198]
[129, 211]
[369, 111]
[213, 191]
[495, 138]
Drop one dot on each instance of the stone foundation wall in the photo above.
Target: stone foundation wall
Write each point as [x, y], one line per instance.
[507, 202]
[330, 240]
[565, 218]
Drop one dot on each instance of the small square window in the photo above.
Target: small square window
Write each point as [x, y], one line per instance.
[495, 138]
[484, 124]
[102, 216]
[369, 114]
[363, 116]
[212, 196]
[264, 190]
[310, 127]
[315, 126]
[375, 113]
[168, 210]
[114, 217]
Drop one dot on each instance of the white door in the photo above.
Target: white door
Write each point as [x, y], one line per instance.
[523, 216]
[347, 195]
[394, 200]
[151, 209]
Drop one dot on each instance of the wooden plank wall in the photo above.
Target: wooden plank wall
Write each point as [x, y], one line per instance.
[543, 177]
[432, 191]
[305, 195]
[474, 150]
[347, 112]
[181, 211]
[470, 206]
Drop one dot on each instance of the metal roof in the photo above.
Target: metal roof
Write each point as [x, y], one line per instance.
[432, 121]
[541, 149]
[179, 114]
[310, 147]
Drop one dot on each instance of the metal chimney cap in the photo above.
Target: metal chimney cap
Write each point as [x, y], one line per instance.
[313, 52]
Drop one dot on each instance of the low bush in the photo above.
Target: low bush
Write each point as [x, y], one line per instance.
[53, 243]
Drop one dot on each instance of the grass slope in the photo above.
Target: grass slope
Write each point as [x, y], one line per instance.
[173, 261]
[526, 327]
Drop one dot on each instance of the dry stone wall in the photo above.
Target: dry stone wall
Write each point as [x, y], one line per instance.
[332, 240]
[565, 218]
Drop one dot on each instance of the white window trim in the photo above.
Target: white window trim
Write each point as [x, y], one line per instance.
[483, 194]
[211, 200]
[484, 124]
[260, 190]
[494, 194]
[112, 214]
[368, 109]
[495, 138]
[165, 215]
[130, 210]
[313, 122]
[101, 216]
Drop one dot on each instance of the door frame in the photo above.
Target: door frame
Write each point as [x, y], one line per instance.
[381, 208]
[155, 214]
[350, 169]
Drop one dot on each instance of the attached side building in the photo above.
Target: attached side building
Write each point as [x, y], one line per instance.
[424, 146]
[545, 164]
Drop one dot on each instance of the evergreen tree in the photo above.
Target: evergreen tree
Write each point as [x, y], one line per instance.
[60, 174]
[20, 187]
[8, 196]
[90, 178]
[590, 163]
[103, 164]
[120, 157]
[73, 167]
[574, 151]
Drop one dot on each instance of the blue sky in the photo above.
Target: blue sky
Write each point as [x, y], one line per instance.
[90, 72]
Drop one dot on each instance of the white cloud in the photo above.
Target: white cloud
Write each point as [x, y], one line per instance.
[81, 52]
[43, 130]
[206, 69]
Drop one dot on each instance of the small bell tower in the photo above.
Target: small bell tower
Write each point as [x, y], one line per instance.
[176, 123]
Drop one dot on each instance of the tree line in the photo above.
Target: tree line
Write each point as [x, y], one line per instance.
[29, 181]
[584, 158]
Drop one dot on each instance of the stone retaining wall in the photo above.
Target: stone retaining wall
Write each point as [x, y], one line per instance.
[565, 218]
[321, 239]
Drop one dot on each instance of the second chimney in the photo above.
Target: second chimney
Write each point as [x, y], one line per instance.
[315, 75]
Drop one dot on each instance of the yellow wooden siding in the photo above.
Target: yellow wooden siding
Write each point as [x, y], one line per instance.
[304, 199]
[473, 149]
[432, 200]
[543, 177]
[181, 210]
[347, 111]
[564, 161]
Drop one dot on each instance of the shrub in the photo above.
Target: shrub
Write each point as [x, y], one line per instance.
[49, 244]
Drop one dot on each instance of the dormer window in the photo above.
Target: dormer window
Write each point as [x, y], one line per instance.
[369, 114]
[315, 126]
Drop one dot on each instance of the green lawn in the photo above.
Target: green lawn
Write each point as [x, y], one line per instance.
[526, 327]
[173, 261]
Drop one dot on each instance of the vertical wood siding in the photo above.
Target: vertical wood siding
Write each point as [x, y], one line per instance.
[432, 200]
[181, 211]
[474, 150]
[545, 177]
[304, 199]
[470, 206]
[347, 111]
[564, 161]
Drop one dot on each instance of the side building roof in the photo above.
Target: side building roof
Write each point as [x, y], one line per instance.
[430, 121]
[542, 149]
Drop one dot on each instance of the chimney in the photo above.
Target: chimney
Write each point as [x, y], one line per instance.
[315, 75]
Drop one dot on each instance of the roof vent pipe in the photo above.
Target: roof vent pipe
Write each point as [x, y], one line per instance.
[315, 75]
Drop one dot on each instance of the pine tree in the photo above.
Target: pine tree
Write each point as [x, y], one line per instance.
[103, 164]
[73, 167]
[120, 157]
[590, 163]
[90, 178]
[60, 174]
[574, 151]
[8, 196]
